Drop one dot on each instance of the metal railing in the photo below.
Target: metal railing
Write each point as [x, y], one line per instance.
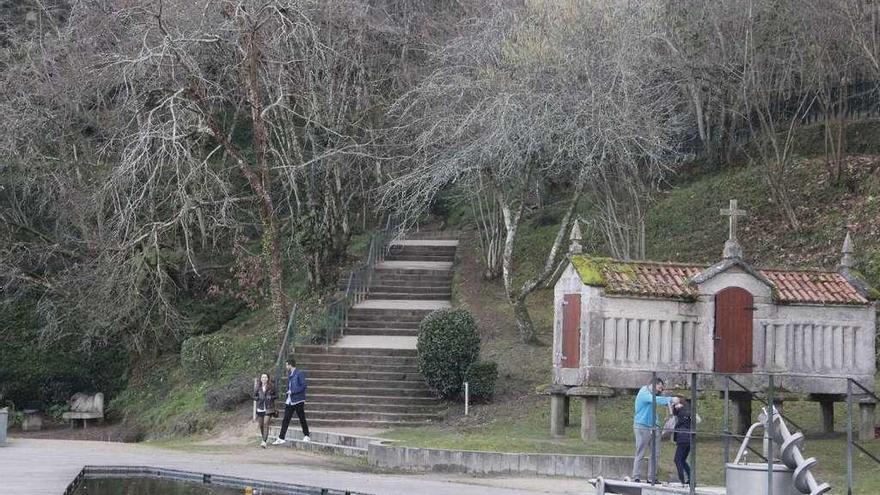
[850, 443]
[333, 320]
[284, 348]
[767, 400]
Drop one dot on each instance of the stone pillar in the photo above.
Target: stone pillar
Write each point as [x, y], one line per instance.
[866, 419]
[741, 415]
[827, 409]
[588, 418]
[566, 408]
[557, 415]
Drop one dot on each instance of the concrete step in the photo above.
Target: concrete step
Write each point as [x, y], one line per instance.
[443, 296]
[365, 375]
[347, 366]
[386, 316]
[394, 332]
[385, 408]
[357, 398]
[399, 325]
[411, 289]
[307, 361]
[371, 416]
[423, 247]
[326, 437]
[383, 391]
[321, 350]
[359, 423]
[419, 257]
[366, 384]
[314, 445]
[409, 274]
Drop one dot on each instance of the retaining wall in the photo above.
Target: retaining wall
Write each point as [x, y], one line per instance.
[466, 461]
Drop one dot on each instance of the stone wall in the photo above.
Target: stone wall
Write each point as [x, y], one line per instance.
[465, 461]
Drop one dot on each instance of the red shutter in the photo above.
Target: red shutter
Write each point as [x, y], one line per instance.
[571, 331]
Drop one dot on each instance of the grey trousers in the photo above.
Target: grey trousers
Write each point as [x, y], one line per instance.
[643, 448]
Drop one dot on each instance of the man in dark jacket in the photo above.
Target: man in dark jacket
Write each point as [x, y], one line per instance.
[296, 401]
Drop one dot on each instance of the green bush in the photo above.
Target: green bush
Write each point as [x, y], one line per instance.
[203, 354]
[481, 377]
[448, 344]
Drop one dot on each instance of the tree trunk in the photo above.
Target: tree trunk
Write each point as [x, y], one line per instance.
[271, 249]
[524, 324]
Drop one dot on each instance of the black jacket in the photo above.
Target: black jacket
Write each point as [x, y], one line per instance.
[265, 399]
[682, 424]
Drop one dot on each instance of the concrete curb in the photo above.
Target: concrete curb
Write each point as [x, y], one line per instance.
[387, 456]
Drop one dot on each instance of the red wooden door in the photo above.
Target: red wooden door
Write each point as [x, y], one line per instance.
[571, 331]
[733, 331]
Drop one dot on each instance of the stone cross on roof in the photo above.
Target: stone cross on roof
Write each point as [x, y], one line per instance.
[732, 249]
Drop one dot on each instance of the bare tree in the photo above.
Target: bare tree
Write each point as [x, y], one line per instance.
[543, 93]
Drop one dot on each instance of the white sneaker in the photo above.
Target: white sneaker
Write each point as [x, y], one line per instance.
[279, 441]
[263, 444]
[306, 439]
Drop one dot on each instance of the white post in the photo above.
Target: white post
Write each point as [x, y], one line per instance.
[254, 418]
[466, 398]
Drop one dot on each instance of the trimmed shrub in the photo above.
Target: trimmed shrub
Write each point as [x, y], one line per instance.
[448, 344]
[481, 378]
[204, 354]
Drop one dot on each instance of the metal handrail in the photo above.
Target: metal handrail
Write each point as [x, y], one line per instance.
[335, 315]
[284, 348]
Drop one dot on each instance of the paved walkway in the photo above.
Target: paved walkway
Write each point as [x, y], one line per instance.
[377, 342]
[426, 242]
[46, 467]
[402, 304]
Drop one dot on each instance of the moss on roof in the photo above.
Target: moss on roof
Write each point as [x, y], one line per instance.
[592, 269]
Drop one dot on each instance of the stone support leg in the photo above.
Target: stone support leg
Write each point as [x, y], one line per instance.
[866, 420]
[588, 418]
[741, 415]
[827, 408]
[557, 415]
[567, 411]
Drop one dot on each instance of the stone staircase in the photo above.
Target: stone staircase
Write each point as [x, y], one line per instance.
[370, 377]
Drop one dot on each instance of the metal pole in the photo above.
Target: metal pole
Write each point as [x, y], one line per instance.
[726, 428]
[693, 434]
[770, 435]
[466, 398]
[849, 437]
[653, 470]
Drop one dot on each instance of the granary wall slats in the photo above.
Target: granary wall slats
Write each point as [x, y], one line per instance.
[808, 347]
[632, 342]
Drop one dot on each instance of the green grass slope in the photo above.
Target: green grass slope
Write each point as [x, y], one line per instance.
[683, 224]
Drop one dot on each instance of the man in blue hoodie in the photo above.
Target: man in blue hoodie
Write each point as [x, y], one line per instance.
[643, 423]
[296, 400]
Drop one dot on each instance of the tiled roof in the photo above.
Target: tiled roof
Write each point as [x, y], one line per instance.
[672, 280]
[813, 287]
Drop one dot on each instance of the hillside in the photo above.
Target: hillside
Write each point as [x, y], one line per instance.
[683, 225]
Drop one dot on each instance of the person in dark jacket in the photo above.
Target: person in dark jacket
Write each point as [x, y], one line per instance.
[683, 438]
[264, 396]
[296, 401]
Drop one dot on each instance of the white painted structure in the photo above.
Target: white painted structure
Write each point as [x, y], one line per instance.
[616, 322]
